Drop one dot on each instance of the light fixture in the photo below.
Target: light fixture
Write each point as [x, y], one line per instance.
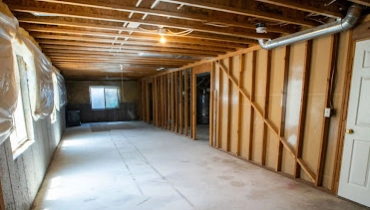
[261, 28]
[163, 39]
[161, 69]
[162, 32]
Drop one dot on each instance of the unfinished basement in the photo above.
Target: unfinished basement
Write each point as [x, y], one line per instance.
[184, 104]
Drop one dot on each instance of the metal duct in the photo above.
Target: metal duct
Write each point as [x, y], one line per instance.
[353, 15]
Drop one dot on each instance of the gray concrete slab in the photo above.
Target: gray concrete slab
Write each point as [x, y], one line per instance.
[142, 167]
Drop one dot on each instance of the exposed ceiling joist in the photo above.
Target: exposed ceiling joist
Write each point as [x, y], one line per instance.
[110, 18]
[245, 12]
[70, 34]
[363, 2]
[77, 24]
[303, 6]
[95, 49]
[167, 14]
[129, 47]
[122, 37]
[50, 39]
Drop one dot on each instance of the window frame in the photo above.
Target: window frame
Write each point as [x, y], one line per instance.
[105, 99]
[20, 146]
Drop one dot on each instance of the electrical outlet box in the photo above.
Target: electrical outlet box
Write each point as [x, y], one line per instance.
[327, 112]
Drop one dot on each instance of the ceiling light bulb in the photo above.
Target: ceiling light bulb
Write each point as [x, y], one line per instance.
[163, 40]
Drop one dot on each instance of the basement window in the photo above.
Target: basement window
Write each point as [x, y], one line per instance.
[104, 97]
[22, 136]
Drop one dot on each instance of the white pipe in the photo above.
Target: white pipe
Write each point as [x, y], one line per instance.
[353, 15]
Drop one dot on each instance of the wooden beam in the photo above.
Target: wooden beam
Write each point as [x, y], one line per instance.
[154, 101]
[164, 107]
[304, 7]
[147, 102]
[191, 38]
[256, 110]
[326, 121]
[173, 101]
[168, 101]
[344, 112]
[219, 105]
[168, 14]
[193, 105]
[211, 106]
[362, 2]
[125, 49]
[266, 107]
[244, 12]
[177, 101]
[283, 107]
[72, 35]
[229, 104]
[305, 168]
[247, 50]
[252, 100]
[181, 110]
[241, 68]
[120, 18]
[51, 39]
[186, 77]
[302, 115]
[102, 58]
[157, 102]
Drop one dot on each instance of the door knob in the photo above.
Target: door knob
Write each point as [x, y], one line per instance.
[349, 131]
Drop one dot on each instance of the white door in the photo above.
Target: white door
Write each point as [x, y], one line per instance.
[354, 176]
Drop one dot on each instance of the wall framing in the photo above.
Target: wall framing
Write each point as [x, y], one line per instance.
[262, 100]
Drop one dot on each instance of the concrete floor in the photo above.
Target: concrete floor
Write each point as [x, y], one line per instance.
[203, 132]
[142, 167]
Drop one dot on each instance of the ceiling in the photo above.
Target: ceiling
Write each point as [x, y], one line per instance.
[121, 38]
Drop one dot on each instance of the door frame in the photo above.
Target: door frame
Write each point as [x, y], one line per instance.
[360, 33]
[193, 106]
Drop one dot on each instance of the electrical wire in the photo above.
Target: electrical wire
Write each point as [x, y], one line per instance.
[182, 33]
[217, 25]
[143, 29]
[327, 4]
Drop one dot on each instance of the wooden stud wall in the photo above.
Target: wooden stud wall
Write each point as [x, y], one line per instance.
[266, 106]
[170, 101]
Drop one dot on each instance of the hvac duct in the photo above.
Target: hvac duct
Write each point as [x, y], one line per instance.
[353, 15]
